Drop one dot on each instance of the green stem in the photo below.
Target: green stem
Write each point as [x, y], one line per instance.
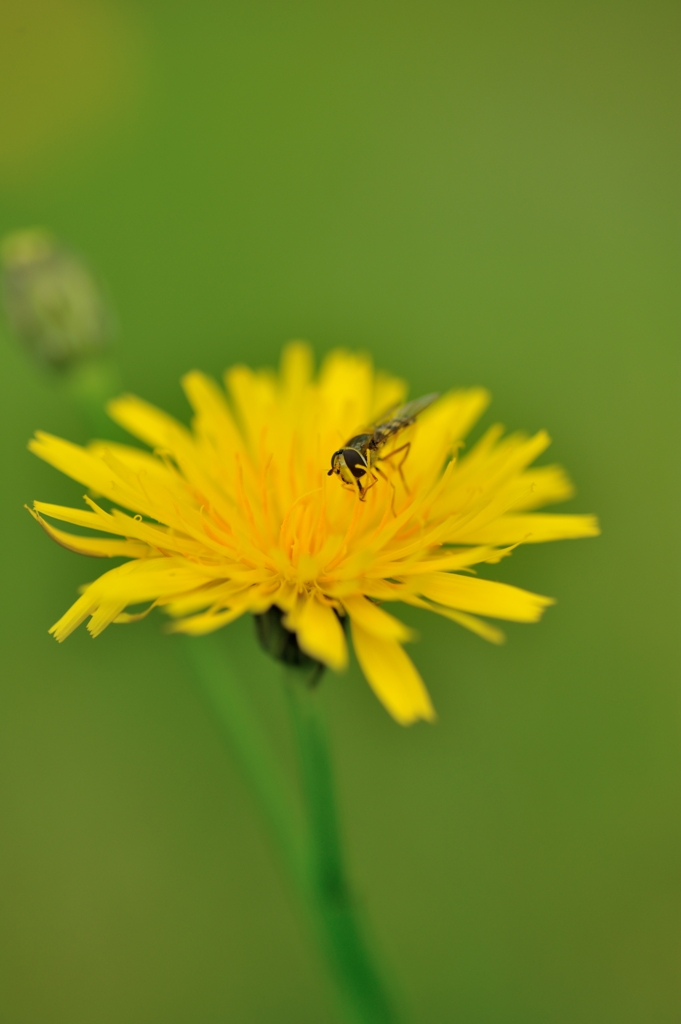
[240, 726]
[315, 861]
[364, 994]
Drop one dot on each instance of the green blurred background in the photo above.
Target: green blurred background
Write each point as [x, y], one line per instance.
[479, 193]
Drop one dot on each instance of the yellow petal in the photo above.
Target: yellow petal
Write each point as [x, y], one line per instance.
[546, 485]
[200, 625]
[213, 417]
[389, 392]
[375, 620]
[478, 626]
[141, 463]
[253, 395]
[296, 369]
[216, 596]
[77, 516]
[163, 432]
[319, 633]
[441, 426]
[99, 469]
[443, 560]
[490, 470]
[132, 583]
[153, 426]
[77, 463]
[98, 547]
[127, 617]
[484, 597]
[346, 386]
[531, 529]
[392, 676]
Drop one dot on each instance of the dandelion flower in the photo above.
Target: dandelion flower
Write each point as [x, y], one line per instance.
[238, 514]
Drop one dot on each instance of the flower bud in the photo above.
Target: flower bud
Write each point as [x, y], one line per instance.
[282, 644]
[51, 299]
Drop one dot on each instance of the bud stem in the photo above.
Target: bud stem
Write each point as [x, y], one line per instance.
[89, 385]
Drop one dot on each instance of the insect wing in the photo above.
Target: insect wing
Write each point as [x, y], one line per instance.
[408, 411]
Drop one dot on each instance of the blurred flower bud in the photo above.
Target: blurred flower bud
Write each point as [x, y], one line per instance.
[282, 644]
[52, 302]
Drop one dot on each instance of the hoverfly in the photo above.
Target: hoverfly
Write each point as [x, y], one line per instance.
[360, 455]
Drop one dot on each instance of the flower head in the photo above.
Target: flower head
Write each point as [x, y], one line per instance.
[238, 514]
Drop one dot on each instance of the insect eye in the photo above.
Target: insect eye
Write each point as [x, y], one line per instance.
[354, 462]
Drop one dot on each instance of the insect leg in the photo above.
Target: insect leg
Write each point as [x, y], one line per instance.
[374, 481]
[377, 469]
[357, 488]
[403, 448]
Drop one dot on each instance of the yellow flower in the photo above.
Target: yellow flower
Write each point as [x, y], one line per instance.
[238, 514]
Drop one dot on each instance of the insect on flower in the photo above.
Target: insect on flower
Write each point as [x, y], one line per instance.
[235, 514]
[361, 454]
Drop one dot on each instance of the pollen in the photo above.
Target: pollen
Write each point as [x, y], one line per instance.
[238, 513]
